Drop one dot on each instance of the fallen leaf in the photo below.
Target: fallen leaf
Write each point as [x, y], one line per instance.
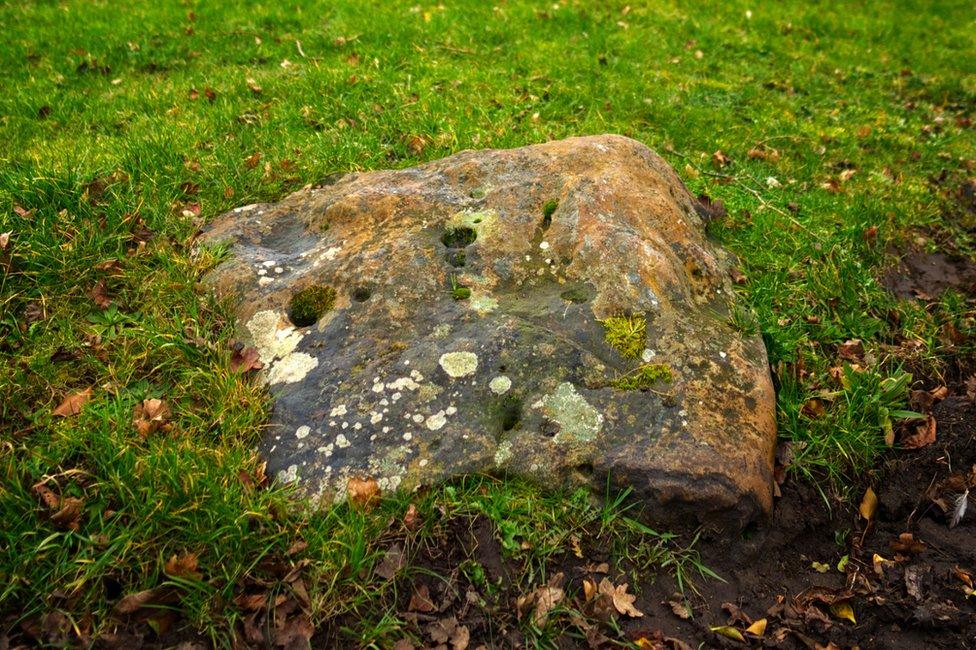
[869, 504]
[720, 159]
[393, 560]
[758, 628]
[416, 144]
[252, 161]
[363, 494]
[963, 576]
[99, 293]
[245, 359]
[210, 94]
[820, 567]
[150, 416]
[907, 544]
[813, 408]
[589, 589]
[622, 601]
[73, 403]
[728, 632]
[447, 630]
[924, 435]
[410, 518]
[251, 602]
[50, 499]
[144, 599]
[851, 350]
[542, 600]
[420, 600]
[710, 209]
[843, 610]
[253, 86]
[183, 566]
[69, 513]
[680, 607]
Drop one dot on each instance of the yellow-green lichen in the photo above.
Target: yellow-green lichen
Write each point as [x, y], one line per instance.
[310, 304]
[626, 334]
[644, 377]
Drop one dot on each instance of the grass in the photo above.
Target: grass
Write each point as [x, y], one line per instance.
[123, 131]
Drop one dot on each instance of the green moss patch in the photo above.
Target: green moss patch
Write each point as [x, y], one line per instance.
[644, 377]
[548, 208]
[310, 304]
[459, 237]
[626, 334]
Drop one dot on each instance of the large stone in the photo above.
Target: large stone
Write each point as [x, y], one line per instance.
[410, 380]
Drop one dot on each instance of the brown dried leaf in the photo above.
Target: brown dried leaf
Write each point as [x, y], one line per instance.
[183, 566]
[251, 602]
[144, 599]
[69, 514]
[542, 600]
[73, 403]
[411, 520]
[416, 144]
[720, 159]
[245, 360]
[622, 601]
[48, 497]
[420, 600]
[393, 560]
[363, 494]
[924, 435]
[680, 607]
[908, 545]
[150, 416]
[851, 350]
[99, 293]
[447, 630]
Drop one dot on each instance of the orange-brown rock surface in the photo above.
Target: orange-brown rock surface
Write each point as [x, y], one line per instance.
[475, 302]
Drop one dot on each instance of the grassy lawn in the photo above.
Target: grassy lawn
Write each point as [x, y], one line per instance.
[124, 130]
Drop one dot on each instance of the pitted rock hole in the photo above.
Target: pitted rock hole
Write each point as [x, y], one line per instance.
[362, 294]
[459, 237]
[510, 412]
[308, 305]
[548, 209]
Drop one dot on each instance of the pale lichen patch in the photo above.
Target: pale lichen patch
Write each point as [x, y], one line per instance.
[578, 420]
[503, 453]
[436, 421]
[302, 431]
[482, 304]
[459, 364]
[276, 347]
[500, 385]
[293, 368]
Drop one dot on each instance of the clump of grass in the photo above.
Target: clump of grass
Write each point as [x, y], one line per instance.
[626, 334]
[310, 304]
[644, 377]
[459, 291]
[548, 209]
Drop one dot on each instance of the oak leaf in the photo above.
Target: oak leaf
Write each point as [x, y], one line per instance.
[72, 404]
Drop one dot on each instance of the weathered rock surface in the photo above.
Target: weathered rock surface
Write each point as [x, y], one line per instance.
[410, 379]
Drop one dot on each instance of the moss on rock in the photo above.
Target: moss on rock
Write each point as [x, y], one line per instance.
[310, 304]
[644, 377]
[626, 334]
